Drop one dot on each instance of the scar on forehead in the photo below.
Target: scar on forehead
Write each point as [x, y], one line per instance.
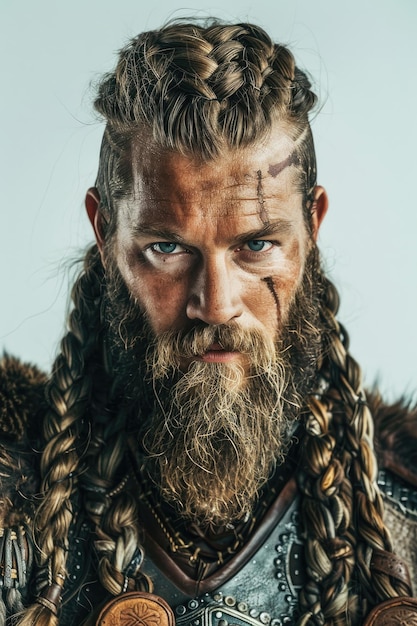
[270, 284]
[263, 213]
[292, 159]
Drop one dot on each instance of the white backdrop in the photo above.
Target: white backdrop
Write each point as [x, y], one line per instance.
[362, 56]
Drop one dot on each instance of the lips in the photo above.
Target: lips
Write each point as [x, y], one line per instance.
[217, 354]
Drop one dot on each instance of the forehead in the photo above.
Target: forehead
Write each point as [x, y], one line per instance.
[254, 181]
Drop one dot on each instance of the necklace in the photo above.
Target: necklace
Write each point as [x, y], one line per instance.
[198, 550]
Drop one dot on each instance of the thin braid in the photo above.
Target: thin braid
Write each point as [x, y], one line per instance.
[111, 506]
[68, 394]
[341, 507]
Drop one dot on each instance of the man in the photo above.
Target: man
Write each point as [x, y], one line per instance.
[203, 449]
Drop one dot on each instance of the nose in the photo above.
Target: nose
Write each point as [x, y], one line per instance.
[214, 296]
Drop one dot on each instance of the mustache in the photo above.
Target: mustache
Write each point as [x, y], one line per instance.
[199, 339]
[170, 349]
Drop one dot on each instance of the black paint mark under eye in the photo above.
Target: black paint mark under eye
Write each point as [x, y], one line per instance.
[270, 284]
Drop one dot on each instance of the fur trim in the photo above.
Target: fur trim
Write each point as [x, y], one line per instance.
[21, 397]
[21, 406]
[396, 437]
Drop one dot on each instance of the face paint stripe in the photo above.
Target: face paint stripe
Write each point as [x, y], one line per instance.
[263, 214]
[270, 284]
[276, 169]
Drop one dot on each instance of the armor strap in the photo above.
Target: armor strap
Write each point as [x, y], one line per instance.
[391, 565]
[394, 612]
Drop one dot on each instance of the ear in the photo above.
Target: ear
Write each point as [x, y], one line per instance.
[92, 204]
[318, 209]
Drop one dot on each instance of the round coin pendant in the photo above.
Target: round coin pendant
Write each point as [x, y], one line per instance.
[394, 612]
[136, 608]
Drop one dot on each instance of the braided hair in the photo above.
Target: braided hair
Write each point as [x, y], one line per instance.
[197, 89]
[341, 508]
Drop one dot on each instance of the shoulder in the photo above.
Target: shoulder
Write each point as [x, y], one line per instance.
[396, 437]
[396, 450]
[21, 407]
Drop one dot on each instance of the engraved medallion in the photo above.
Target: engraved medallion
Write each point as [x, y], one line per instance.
[394, 612]
[136, 608]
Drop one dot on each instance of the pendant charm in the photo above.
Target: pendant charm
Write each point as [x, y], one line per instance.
[136, 608]
[394, 612]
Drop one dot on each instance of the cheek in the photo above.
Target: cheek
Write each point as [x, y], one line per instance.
[160, 296]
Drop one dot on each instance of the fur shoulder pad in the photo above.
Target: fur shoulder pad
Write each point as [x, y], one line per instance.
[396, 437]
[21, 406]
[21, 397]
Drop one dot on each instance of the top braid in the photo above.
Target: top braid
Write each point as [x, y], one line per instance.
[233, 78]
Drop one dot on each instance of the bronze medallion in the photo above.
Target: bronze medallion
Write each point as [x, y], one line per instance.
[136, 608]
[394, 612]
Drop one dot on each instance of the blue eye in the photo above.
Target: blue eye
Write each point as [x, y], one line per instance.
[165, 247]
[257, 245]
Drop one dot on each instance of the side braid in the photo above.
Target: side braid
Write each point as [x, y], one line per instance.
[341, 506]
[68, 395]
[111, 506]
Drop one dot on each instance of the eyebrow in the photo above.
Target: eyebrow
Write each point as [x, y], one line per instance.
[275, 227]
[160, 234]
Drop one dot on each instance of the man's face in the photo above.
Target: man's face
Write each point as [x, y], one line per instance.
[214, 322]
[214, 243]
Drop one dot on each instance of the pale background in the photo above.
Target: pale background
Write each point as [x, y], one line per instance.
[362, 55]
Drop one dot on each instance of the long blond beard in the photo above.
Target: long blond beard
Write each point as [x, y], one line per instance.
[214, 434]
[219, 429]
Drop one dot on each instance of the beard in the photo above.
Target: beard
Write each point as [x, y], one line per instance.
[213, 434]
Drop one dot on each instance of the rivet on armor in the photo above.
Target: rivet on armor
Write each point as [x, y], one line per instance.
[265, 618]
[230, 601]
[218, 614]
[278, 548]
[282, 587]
[242, 607]
[193, 604]
[217, 597]
[180, 610]
[253, 613]
[278, 561]
[223, 622]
